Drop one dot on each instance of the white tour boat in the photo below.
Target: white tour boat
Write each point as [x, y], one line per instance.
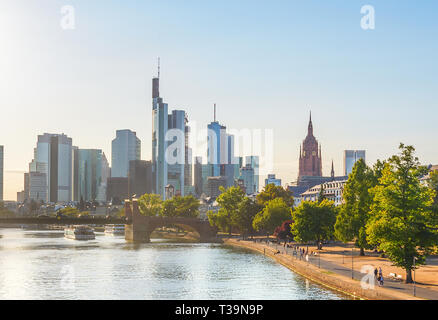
[115, 229]
[81, 232]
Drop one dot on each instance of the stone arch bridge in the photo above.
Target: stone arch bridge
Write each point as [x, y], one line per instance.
[139, 228]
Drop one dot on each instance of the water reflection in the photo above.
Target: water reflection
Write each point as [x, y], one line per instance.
[39, 264]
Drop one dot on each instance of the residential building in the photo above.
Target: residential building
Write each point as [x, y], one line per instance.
[332, 191]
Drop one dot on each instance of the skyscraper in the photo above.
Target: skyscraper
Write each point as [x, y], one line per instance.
[55, 150]
[1, 171]
[217, 146]
[310, 163]
[140, 177]
[176, 171]
[159, 144]
[350, 158]
[125, 147]
[198, 176]
[89, 174]
[254, 162]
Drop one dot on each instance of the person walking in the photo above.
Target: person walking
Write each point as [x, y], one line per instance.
[380, 276]
[376, 272]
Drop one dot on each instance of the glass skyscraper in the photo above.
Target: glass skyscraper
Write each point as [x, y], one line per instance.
[350, 158]
[125, 147]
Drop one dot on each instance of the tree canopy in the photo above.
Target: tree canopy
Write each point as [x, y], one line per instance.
[274, 213]
[150, 204]
[314, 221]
[179, 206]
[271, 192]
[354, 213]
[402, 222]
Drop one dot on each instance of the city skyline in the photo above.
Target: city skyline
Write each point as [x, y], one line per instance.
[357, 92]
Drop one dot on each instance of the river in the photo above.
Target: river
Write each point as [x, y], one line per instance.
[45, 265]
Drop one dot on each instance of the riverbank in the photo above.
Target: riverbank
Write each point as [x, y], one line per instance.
[324, 277]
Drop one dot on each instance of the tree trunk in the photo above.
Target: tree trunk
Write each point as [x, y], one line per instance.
[362, 252]
[409, 276]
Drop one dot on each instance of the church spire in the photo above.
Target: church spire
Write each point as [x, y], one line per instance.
[310, 127]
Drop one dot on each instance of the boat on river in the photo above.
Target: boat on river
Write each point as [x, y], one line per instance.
[81, 232]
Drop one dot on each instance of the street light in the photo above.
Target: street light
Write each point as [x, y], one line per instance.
[415, 293]
[352, 274]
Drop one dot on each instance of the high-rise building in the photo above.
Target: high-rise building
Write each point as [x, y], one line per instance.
[217, 146]
[310, 163]
[350, 158]
[272, 180]
[159, 144]
[105, 174]
[254, 162]
[35, 182]
[55, 150]
[176, 169]
[89, 174]
[140, 177]
[1, 171]
[125, 147]
[213, 186]
[247, 175]
[117, 190]
[198, 176]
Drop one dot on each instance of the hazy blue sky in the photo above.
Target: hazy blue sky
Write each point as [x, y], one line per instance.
[265, 64]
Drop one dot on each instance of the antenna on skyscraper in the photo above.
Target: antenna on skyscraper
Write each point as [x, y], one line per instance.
[215, 112]
[158, 67]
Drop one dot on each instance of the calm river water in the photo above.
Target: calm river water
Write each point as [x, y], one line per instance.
[45, 265]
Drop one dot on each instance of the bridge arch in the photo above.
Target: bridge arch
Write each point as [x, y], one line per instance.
[140, 228]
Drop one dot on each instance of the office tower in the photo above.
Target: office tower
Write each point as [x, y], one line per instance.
[198, 176]
[159, 144]
[89, 173]
[104, 175]
[140, 177]
[254, 162]
[125, 147]
[1, 171]
[310, 163]
[247, 175]
[117, 190]
[350, 158]
[217, 145]
[176, 168]
[35, 182]
[213, 186]
[187, 160]
[55, 150]
[75, 173]
[272, 180]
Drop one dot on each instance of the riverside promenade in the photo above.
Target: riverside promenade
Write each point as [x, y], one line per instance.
[340, 277]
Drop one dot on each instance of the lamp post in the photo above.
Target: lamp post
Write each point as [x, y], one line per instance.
[415, 293]
[352, 272]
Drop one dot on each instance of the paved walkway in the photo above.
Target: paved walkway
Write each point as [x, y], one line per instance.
[345, 270]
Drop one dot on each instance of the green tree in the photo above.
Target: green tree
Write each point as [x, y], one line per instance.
[219, 219]
[69, 212]
[271, 192]
[313, 221]
[321, 196]
[274, 213]
[229, 201]
[354, 213]
[179, 206]
[402, 222]
[150, 204]
[433, 184]
[247, 211]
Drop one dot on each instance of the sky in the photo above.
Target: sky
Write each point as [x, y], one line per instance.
[265, 64]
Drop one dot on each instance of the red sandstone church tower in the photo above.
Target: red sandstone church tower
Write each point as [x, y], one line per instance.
[310, 155]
